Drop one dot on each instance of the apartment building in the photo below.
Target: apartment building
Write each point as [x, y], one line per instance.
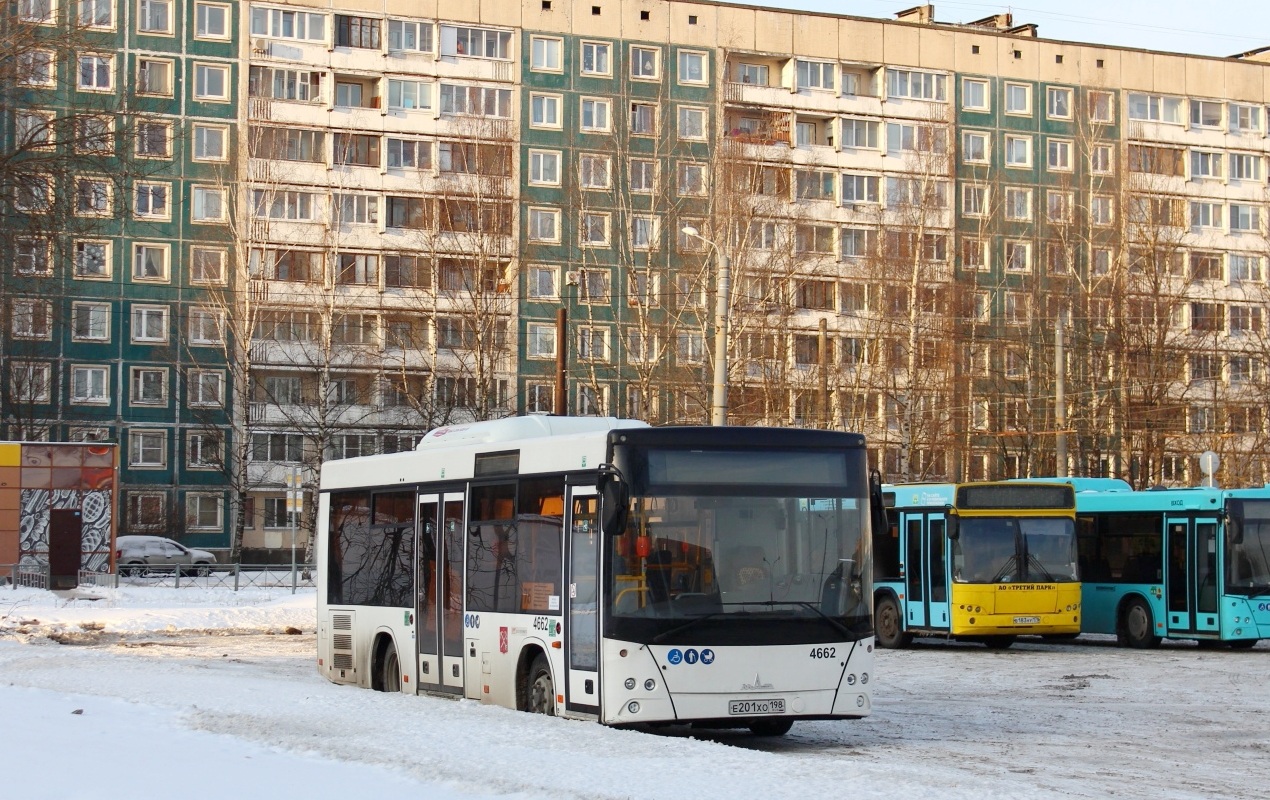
[119, 129]
[918, 217]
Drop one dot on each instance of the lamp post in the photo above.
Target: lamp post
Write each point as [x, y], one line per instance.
[722, 309]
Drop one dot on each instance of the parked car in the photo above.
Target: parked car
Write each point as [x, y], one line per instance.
[134, 554]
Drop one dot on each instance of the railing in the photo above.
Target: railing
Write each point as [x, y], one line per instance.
[215, 576]
[32, 576]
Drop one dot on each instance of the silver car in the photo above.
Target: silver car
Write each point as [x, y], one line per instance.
[134, 554]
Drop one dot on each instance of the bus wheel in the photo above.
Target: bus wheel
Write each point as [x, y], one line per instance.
[771, 727]
[998, 642]
[1243, 644]
[888, 627]
[390, 670]
[541, 697]
[1136, 627]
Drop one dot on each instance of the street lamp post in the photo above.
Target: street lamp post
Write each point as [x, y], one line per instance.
[722, 309]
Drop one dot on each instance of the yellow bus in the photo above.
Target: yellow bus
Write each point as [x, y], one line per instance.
[979, 562]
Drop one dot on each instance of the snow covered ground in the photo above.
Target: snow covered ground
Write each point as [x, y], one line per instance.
[157, 693]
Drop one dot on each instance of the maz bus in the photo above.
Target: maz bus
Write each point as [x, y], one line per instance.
[976, 561]
[602, 569]
[1174, 563]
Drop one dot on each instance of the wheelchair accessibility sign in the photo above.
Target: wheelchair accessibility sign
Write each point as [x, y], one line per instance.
[690, 656]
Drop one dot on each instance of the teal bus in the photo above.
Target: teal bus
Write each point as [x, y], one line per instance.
[983, 562]
[1173, 563]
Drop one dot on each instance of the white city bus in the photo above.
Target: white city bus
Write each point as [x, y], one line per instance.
[602, 569]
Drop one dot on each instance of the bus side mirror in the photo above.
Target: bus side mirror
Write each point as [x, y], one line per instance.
[614, 499]
[1234, 521]
[953, 526]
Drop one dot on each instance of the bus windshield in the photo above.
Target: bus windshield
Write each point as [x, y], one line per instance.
[1009, 549]
[1248, 558]
[703, 561]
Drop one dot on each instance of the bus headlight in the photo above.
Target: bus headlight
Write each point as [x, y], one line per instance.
[630, 683]
[650, 684]
[633, 707]
[864, 678]
[851, 679]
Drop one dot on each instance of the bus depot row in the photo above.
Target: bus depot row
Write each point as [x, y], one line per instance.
[1059, 557]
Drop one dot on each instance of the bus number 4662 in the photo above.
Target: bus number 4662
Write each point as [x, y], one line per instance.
[823, 652]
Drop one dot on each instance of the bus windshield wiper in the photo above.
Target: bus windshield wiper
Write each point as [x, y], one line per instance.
[1032, 561]
[1010, 563]
[690, 623]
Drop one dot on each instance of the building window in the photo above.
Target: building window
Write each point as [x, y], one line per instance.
[541, 282]
[692, 66]
[150, 262]
[154, 76]
[409, 154]
[1155, 108]
[1058, 103]
[149, 386]
[1018, 151]
[154, 139]
[645, 62]
[475, 42]
[692, 182]
[1245, 167]
[544, 167]
[90, 322]
[596, 58]
[206, 326]
[90, 385]
[149, 324]
[642, 175]
[151, 200]
[596, 287]
[543, 224]
[690, 348]
[1244, 268]
[211, 21]
[595, 114]
[206, 388]
[1245, 119]
[594, 229]
[974, 95]
[544, 54]
[147, 448]
[92, 259]
[211, 82]
[593, 171]
[357, 32]
[154, 16]
[1206, 114]
[1100, 209]
[208, 204]
[1244, 217]
[544, 110]
[692, 122]
[409, 95]
[287, 448]
[32, 319]
[94, 134]
[204, 511]
[41, 11]
[209, 142]
[1102, 106]
[1018, 256]
[643, 119]
[146, 511]
[1058, 206]
[1018, 98]
[207, 265]
[858, 189]
[643, 232]
[540, 340]
[974, 147]
[1018, 203]
[93, 197]
[204, 450]
[1059, 155]
[279, 23]
[916, 85]
[752, 73]
[409, 36]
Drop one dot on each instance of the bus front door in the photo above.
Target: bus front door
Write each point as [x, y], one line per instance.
[1192, 577]
[582, 606]
[914, 571]
[439, 592]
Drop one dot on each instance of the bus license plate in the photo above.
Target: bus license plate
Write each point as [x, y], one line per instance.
[1027, 620]
[742, 707]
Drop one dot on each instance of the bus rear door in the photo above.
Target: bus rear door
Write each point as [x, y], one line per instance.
[1192, 579]
[439, 592]
[926, 570]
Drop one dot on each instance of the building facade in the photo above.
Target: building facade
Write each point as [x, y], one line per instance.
[935, 232]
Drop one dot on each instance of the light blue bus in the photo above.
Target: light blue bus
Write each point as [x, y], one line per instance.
[1174, 563]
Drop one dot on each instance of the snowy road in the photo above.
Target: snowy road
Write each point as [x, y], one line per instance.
[248, 713]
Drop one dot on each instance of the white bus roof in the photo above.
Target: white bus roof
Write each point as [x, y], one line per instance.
[449, 453]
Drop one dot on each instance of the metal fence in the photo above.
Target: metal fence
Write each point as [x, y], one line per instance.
[33, 576]
[216, 576]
